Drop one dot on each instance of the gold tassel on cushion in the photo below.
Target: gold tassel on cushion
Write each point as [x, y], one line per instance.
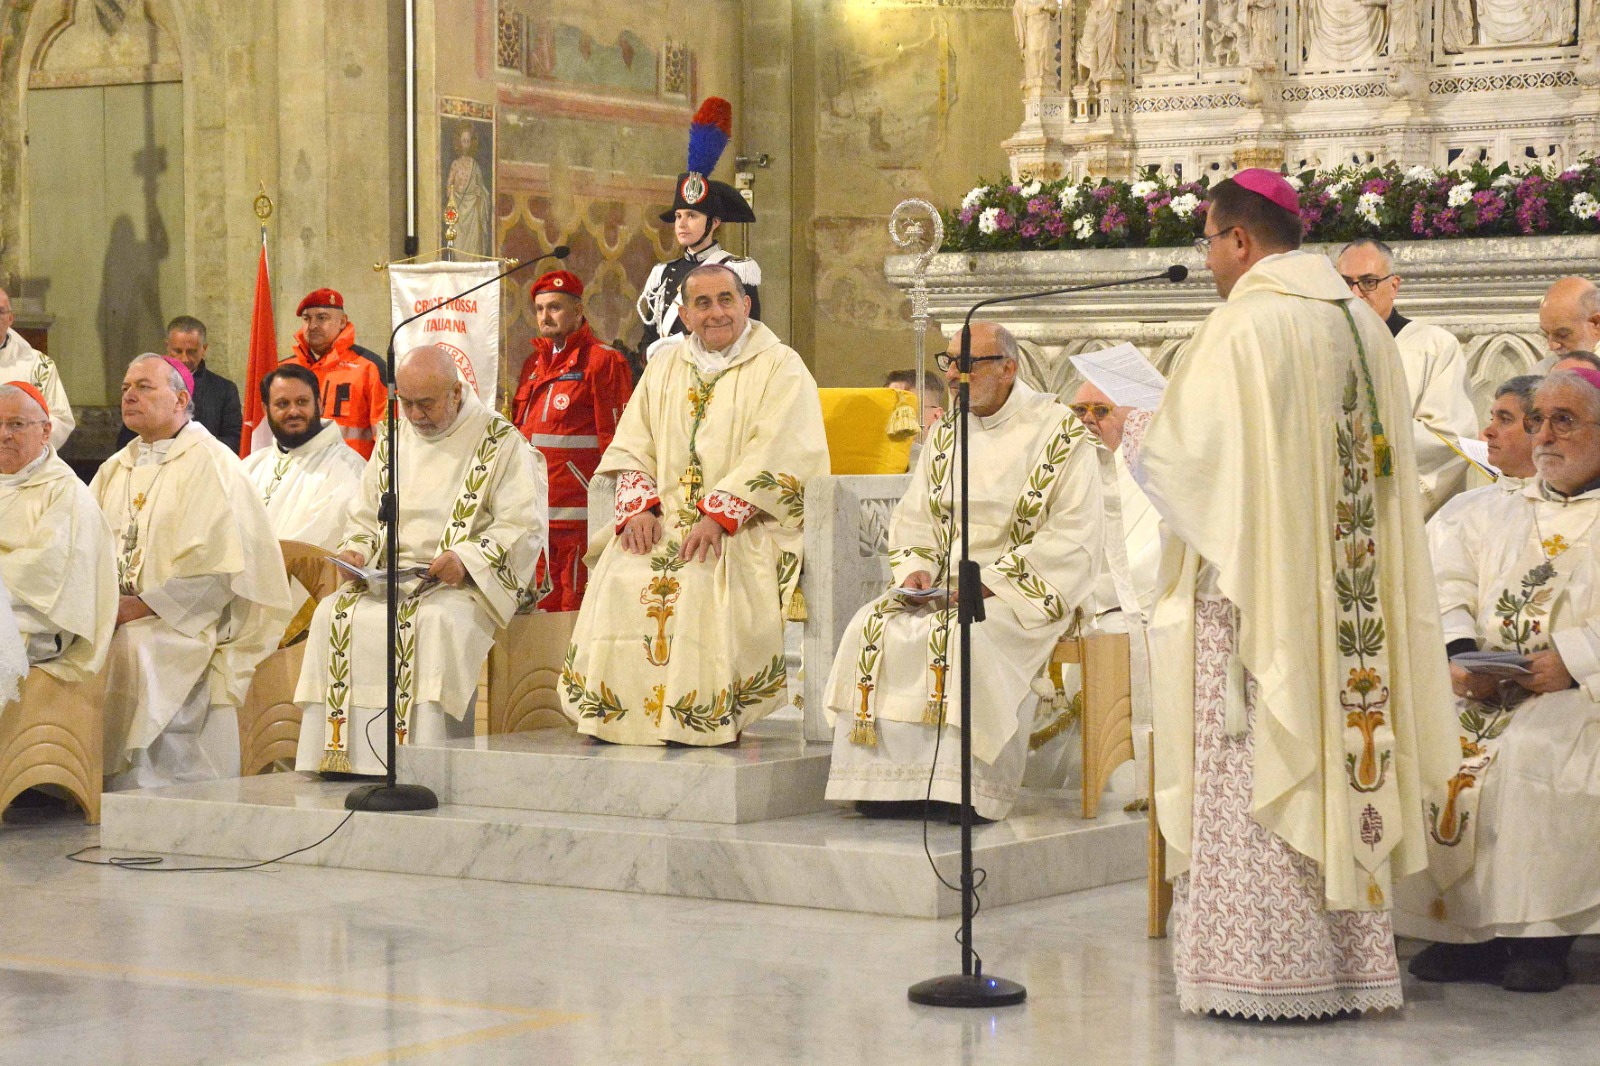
[903, 421]
[796, 611]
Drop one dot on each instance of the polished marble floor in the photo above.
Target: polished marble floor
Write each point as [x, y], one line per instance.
[303, 965]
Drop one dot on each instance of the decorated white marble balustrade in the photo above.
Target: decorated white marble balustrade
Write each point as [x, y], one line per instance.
[1485, 291]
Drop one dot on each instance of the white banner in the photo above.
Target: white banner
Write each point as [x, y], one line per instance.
[469, 328]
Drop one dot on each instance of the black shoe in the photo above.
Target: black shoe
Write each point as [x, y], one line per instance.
[953, 816]
[907, 809]
[1460, 962]
[1538, 964]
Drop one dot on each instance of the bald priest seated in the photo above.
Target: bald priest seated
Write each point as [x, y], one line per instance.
[55, 549]
[1513, 873]
[1036, 524]
[472, 525]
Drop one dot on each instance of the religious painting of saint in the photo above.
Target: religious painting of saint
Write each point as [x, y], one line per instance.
[466, 154]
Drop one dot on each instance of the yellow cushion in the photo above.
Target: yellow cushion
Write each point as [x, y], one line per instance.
[857, 424]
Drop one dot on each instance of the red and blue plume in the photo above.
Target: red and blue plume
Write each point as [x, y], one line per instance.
[709, 134]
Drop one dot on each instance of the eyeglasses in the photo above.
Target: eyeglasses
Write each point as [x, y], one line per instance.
[1203, 244]
[944, 360]
[18, 426]
[1561, 424]
[1366, 282]
[1083, 410]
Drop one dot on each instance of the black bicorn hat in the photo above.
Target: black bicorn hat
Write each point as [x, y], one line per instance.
[709, 134]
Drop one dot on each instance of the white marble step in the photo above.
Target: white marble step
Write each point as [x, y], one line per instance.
[832, 859]
[771, 773]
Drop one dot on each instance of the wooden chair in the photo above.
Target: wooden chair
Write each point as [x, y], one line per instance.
[1106, 727]
[525, 672]
[53, 733]
[269, 720]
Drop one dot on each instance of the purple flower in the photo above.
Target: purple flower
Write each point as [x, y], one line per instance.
[1377, 185]
[1113, 219]
[1039, 205]
[1533, 214]
[1104, 192]
[1419, 221]
[1156, 205]
[1029, 228]
[1490, 206]
[966, 216]
[1447, 222]
[1056, 227]
[1003, 222]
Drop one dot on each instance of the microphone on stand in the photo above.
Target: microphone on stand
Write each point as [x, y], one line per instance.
[388, 795]
[971, 987]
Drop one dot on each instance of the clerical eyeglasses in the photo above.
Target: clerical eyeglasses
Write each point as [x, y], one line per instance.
[1203, 244]
[18, 426]
[1083, 410]
[1366, 282]
[944, 360]
[1561, 423]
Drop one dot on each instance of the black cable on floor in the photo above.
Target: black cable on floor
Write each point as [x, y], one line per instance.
[151, 864]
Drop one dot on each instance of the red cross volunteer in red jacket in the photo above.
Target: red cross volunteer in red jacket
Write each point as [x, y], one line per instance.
[568, 400]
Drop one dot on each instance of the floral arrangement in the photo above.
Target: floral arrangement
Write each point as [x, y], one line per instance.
[1388, 202]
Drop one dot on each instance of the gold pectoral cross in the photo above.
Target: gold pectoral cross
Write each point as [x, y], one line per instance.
[691, 479]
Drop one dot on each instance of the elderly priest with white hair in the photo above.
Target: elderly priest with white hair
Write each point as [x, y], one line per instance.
[472, 523]
[55, 549]
[306, 481]
[203, 593]
[1036, 530]
[1513, 873]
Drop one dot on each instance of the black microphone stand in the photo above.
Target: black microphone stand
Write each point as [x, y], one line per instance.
[972, 987]
[388, 795]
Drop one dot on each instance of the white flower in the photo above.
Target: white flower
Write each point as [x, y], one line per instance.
[970, 201]
[1421, 175]
[1030, 190]
[1141, 189]
[1069, 197]
[1294, 183]
[1083, 228]
[987, 221]
[1461, 194]
[1367, 207]
[1507, 181]
[1337, 189]
[1585, 206]
[1183, 205]
[1574, 169]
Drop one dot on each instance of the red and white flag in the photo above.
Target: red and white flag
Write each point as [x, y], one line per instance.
[263, 360]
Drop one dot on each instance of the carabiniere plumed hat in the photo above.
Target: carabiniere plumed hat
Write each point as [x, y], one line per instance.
[709, 134]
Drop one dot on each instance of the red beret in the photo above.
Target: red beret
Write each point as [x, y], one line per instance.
[34, 394]
[557, 281]
[320, 298]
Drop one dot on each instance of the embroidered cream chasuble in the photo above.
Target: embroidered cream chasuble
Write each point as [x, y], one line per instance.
[21, 361]
[308, 492]
[478, 490]
[56, 561]
[1518, 569]
[1441, 400]
[1036, 526]
[693, 651]
[1263, 464]
[191, 536]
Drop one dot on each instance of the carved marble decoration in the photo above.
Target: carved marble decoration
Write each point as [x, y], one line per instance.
[1168, 39]
[1588, 70]
[1344, 33]
[1097, 58]
[1498, 23]
[1261, 17]
[1228, 32]
[1035, 24]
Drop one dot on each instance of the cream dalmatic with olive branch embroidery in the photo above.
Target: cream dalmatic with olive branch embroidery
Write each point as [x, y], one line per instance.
[667, 649]
[1036, 529]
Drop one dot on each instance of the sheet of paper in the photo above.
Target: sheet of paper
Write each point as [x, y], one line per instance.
[1471, 449]
[1124, 374]
[372, 574]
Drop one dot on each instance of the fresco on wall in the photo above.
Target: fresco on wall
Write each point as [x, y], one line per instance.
[466, 159]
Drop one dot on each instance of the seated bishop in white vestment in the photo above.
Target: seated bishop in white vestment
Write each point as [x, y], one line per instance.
[1036, 530]
[1513, 869]
[680, 637]
[203, 593]
[473, 516]
[55, 549]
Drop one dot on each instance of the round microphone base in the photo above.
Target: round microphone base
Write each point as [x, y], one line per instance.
[385, 798]
[967, 990]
